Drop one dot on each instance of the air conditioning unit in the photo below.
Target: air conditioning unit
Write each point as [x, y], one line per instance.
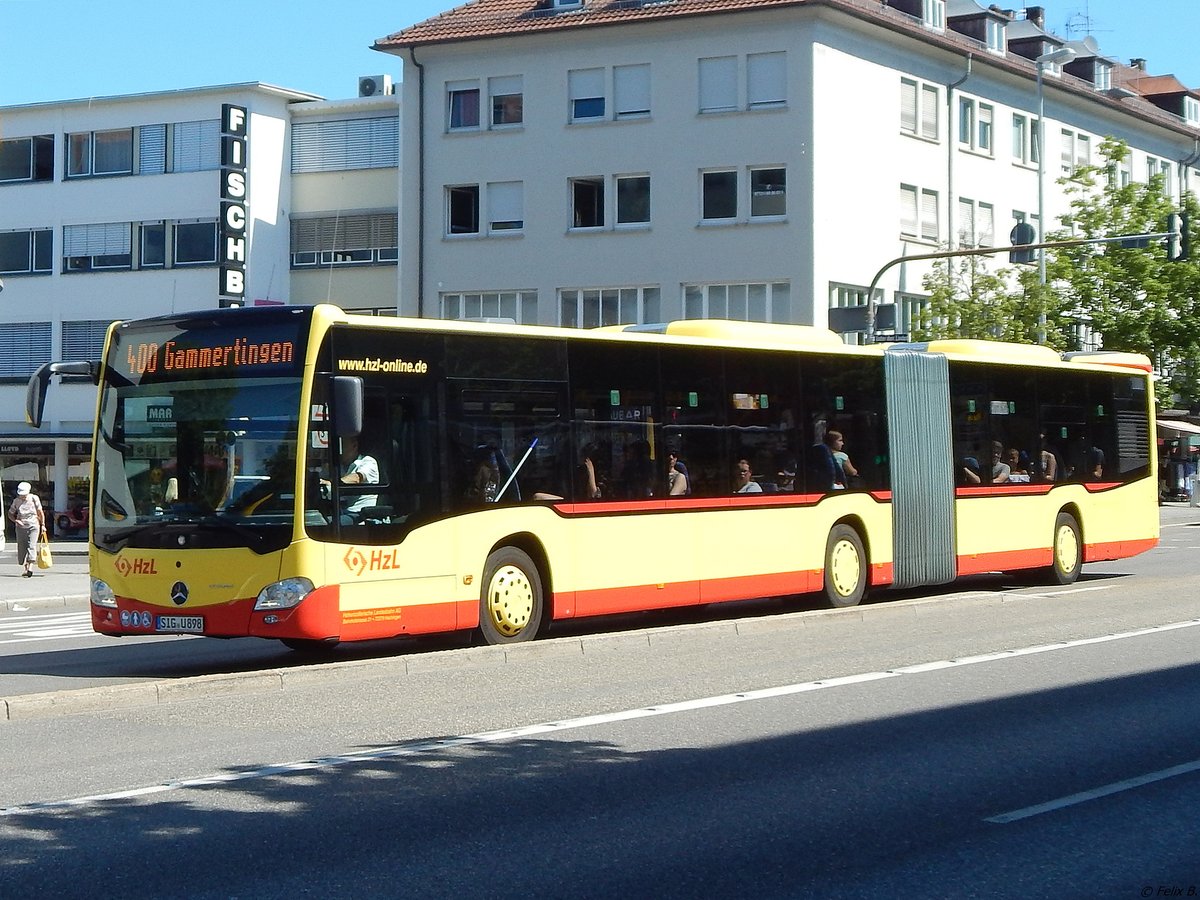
[372, 85]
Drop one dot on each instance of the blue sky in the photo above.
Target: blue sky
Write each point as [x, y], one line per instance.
[69, 49]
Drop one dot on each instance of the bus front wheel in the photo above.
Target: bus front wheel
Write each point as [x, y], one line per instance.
[845, 567]
[510, 605]
[1067, 550]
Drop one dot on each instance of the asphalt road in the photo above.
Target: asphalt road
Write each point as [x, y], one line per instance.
[997, 741]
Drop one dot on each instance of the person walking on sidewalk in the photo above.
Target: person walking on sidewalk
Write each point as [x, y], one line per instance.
[26, 512]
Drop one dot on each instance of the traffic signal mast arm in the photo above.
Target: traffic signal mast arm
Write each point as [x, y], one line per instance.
[989, 251]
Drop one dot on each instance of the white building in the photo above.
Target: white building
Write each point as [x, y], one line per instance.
[111, 208]
[586, 162]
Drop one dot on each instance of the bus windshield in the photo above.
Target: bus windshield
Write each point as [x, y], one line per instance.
[197, 436]
[196, 454]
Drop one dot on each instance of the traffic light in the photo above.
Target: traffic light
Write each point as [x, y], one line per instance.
[1179, 241]
[1022, 233]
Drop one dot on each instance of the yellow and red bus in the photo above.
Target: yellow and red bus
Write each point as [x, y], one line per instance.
[519, 475]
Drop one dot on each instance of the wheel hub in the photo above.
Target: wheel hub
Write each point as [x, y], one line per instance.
[846, 568]
[510, 600]
[1066, 547]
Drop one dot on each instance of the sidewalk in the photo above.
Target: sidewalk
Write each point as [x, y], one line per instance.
[65, 584]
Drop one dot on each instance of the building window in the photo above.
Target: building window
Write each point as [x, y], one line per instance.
[918, 213]
[27, 159]
[1020, 217]
[345, 144]
[766, 80]
[1024, 140]
[462, 209]
[633, 199]
[768, 192]
[975, 125]
[89, 248]
[996, 36]
[587, 202]
[750, 302]
[84, 339]
[976, 223]
[93, 153]
[462, 105]
[933, 14]
[27, 252]
[196, 146]
[195, 243]
[507, 99]
[919, 109]
[1103, 76]
[631, 91]
[586, 93]
[852, 326]
[596, 307]
[718, 196]
[24, 347]
[910, 309]
[1191, 110]
[362, 239]
[718, 84]
[506, 206]
[1076, 151]
[152, 245]
[519, 306]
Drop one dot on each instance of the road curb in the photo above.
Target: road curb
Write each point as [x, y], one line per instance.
[58, 601]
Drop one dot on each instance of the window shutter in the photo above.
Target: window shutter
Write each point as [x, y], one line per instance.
[766, 79]
[929, 215]
[152, 149]
[908, 210]
[106, 239]
[197, 146]
[586, 83]
[908, 106]
[24, 346]
[345, 144]
[718, 83]
[631, 84]
[929, 112]
[506, 204]
[84, 340]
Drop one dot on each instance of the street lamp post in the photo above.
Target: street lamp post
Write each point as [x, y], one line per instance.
[1054, 57]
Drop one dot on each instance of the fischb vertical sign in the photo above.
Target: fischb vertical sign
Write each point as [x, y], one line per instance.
[234, 212]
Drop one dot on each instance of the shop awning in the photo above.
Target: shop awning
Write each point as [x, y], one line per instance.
[1178, 427]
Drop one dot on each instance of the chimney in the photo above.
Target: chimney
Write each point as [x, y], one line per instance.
[1138, 63]
[1036, 15]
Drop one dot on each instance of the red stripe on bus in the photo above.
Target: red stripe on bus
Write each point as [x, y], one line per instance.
[1117, 549]
[700, 504]
[1003, 561]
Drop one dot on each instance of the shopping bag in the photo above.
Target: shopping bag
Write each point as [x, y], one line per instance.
[44, 559]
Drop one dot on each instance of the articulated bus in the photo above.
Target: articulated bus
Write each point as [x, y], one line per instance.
[514, 476]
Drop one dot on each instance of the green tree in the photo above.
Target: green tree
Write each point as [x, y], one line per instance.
[1132, 296]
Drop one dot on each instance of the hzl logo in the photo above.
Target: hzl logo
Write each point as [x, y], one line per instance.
[126, 566]
[359, 562]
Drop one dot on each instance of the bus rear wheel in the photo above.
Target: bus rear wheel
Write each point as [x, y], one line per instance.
[845, 567]
[511, 603]
[1067, 550]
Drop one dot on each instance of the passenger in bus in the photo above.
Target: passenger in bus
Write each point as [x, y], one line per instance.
[843, 469]
[679, 483]
[743, 479]
[591, 483]
[786, 476]
[638, 476]
[1000, 469]
[485, 482]
[1047, 462]
[968, 471]
[1018, 465]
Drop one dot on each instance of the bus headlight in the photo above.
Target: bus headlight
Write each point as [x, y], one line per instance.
[102, 594]
[283, 594]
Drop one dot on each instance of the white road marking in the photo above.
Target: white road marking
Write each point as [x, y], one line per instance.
[23, 629]
[417, 748]
[1096, 793]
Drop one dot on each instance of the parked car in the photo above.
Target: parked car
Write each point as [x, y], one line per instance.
[74, 518]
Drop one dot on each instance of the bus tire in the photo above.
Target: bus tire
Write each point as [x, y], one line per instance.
[845, 567]
[1066, 552]
[510, 602]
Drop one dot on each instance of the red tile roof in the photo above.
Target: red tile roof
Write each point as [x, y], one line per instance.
[493, 18]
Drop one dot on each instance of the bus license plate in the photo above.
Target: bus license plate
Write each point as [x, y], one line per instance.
[180, 624]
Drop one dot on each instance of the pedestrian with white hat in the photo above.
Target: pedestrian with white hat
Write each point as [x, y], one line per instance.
[26, 512]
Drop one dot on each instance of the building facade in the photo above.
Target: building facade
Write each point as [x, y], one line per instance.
[585, 162]
[119, 207]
